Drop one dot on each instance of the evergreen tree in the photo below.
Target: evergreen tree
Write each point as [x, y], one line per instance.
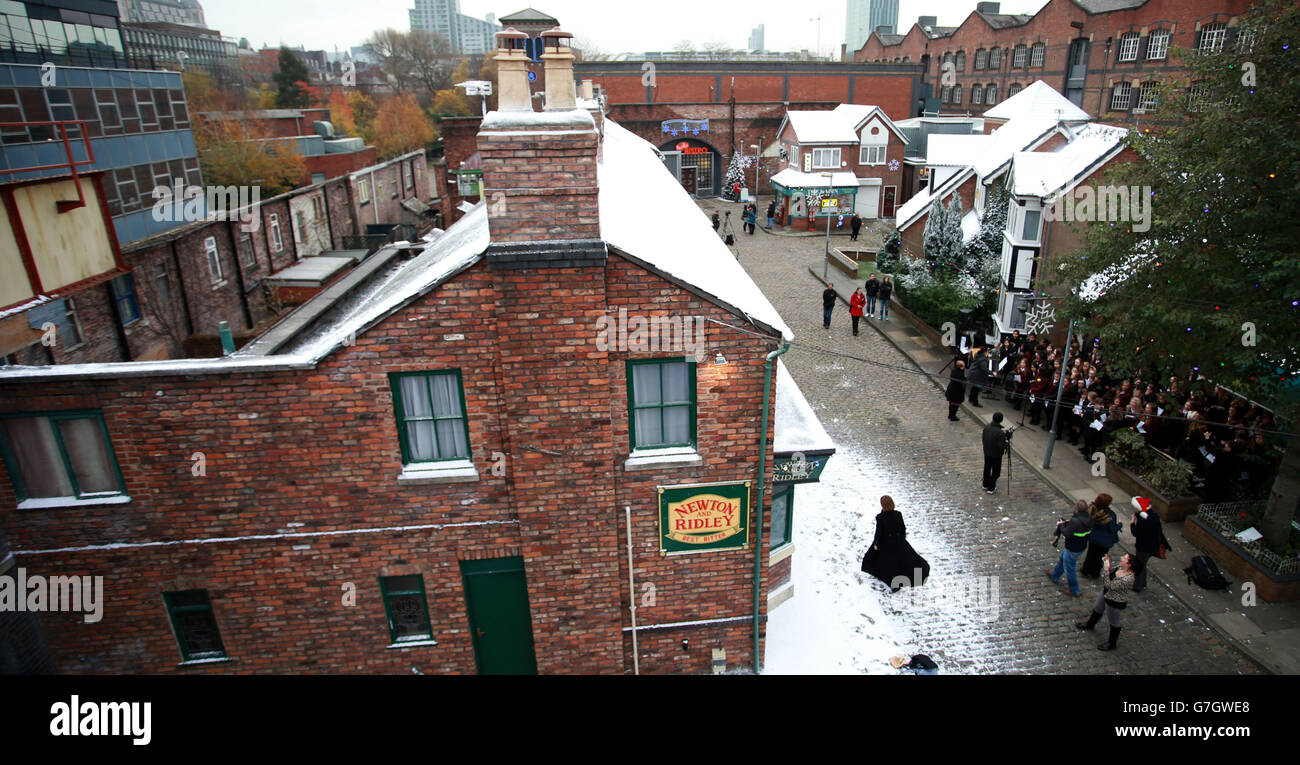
[1207, 282]
[291, 81]
[983, 254]
[932, 237]
[735, 174]
[943, 245]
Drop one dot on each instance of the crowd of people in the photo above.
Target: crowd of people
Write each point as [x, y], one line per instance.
[1186, 417]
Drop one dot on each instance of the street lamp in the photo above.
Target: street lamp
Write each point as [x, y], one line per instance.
[756, 158]
[830, 190]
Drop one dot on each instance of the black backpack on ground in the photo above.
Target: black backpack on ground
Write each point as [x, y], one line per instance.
[1205, 572]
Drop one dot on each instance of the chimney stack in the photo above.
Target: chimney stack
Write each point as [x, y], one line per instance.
[927, 21]
[560, 93]
[512, 72]
[539, 168]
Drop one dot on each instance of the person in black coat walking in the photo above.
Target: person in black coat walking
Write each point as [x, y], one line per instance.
[886, 291]
[828, 303]
[1148, 535]
[956, 392]
[978, 375]
[891, 558]
[871, 289]
[995, 444]
[855, 225]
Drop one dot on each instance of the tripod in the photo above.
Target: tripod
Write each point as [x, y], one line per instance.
[1007, 448]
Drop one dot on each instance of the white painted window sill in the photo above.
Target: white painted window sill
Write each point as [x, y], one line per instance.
[47, 503]
[414, 643]
[451, 471]
[655, 459]
[780, 553]
[220, 284]
[214, 660]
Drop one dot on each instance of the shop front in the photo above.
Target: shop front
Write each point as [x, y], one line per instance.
[806, 200]
[695, 164]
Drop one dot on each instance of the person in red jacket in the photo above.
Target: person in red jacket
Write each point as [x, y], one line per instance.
[856, 303]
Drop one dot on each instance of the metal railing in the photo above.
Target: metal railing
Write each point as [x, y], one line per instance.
[1224, 518]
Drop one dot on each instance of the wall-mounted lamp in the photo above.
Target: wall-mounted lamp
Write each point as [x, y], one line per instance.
[719, 360]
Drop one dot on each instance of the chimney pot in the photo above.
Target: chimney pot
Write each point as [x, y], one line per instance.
[561, 95]
[512, 72]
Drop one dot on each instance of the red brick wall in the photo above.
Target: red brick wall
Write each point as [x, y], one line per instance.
[316, 451]
[335, 165]
[548, 183]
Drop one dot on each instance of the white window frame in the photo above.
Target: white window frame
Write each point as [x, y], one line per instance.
[819, 164]
[1019, 55]
[1144, 102]
[277, 241]
[213, 254]
[1128, 46]
[1038, 55]
[363, 191]
[956, 94]
[1211, 37]
[991, 94]
[1158, 45]
[1121, 97]
[70, 308]
[872, 154]
[976, 95]
[995, 59]
[981, 59]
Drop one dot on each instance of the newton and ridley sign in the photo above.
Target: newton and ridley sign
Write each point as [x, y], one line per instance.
[703, 517]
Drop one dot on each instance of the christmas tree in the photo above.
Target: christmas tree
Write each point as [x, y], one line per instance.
[735, 175]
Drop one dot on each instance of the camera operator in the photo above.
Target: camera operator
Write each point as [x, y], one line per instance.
[995, 443]
[1076, 532]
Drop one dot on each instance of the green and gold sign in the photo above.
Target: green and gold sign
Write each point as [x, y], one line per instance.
[798, 468]
[703, 517]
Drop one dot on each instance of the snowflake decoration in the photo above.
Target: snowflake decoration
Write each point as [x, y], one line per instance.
[893, 165]
[1040, 319]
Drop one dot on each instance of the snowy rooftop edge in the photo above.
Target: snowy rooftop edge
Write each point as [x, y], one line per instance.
[797, 428]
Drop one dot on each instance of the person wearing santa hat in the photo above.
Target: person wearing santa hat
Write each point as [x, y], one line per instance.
[1148, 535]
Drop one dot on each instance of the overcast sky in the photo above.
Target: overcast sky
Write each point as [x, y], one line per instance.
[614, 26]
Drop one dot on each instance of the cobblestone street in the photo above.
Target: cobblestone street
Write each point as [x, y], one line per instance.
[893, 436]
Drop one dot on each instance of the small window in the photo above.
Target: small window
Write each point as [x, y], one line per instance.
[872, 155]
[247, 254]
[945, 94]
[1158, 45]
[406, 607]
[1038, 55]
[661, 403]
[782, 517]
[1018, 57]
[164, 284]
[976, 95]
[73, 325]
[431, 422]
[145, 105]
[991, 94]
[995, 58]
[363, 191]
[60, 103]
[123, 290]
[959, 62]
[65, 455]
[1014, 89]
[826, 158]
[214, 258]
[195, 625]
[1198, 96]
[1030, 231]
[1211, 38]
[1147, 98]
[109, 115]
[1121, 97]
[981, 58]
[1128, 47]
[277, 243]
[956, 94]
[1246, 35]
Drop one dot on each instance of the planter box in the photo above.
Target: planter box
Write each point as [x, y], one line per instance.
[1239, 564]
[898, 309]
[1170, 510]
[844, 263]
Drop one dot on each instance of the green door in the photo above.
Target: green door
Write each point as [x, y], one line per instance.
[496, 595]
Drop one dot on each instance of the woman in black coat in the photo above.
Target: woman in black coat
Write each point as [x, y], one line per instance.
[891, 559]
[956, 392]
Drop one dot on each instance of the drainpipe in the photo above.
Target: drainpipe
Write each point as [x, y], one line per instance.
[631, 589]
[762, 468]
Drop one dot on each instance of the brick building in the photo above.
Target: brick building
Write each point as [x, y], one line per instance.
[307, 132]
[434, 465]
[1103, 55]
[852, 153]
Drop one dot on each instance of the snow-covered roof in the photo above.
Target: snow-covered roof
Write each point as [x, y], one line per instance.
[797, 179]
[1020, 134]
[1046, 173]
[953, 150]
[681, 242]
[318, 268]
[797, 427]
[1038, 100]
[684, 247]
[822, 127]
[911, 210]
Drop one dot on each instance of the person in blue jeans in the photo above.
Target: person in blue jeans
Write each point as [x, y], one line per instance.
[872, 289]
[1076, 532]
[886, 290]
[828, 303]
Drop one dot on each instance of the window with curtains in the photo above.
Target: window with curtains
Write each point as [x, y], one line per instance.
[431, 422]
[60, 455]
[661, 403]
